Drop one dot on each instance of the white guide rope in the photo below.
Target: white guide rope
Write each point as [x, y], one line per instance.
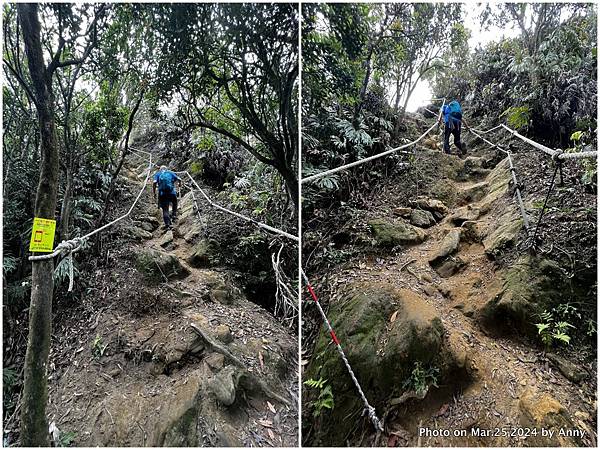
[72, 245]
[371, 158]
[241, 216]
[555, 153]
[368, 410]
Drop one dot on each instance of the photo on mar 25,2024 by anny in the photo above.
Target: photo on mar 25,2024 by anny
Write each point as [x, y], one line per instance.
[299, 224]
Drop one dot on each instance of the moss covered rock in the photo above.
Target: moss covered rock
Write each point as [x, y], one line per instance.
[390, 233]
[531, 286]
[538, 411]
[503, 236]
[155, 264]
[203, 254]
[384, 332]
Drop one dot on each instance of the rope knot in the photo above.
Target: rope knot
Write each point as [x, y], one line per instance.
[557, 153]
[370, 412]
[69, 247]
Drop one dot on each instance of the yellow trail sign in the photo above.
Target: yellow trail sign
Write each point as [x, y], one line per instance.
[42, 235]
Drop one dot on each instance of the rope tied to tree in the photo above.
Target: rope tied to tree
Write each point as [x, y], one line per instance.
[368, 410]
[73, 245]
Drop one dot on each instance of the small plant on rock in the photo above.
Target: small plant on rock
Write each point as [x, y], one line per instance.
[553, 328]
[66, 438]
[325, 397]
[421, 378]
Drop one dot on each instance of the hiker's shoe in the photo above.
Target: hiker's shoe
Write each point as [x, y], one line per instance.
[173, 219]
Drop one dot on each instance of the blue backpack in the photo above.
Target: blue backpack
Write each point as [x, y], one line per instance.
[455, 111]
[165, 183]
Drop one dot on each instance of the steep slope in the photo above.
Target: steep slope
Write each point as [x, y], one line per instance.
[164, 349]
[431, 302]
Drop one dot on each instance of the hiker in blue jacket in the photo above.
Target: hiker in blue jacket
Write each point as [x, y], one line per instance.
[165, 180]
[453, 120]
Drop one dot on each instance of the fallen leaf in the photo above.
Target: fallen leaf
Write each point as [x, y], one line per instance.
[261, 361]
[271, 434]
[392, 440]
[271, 407]
[393, 318]
[265, 423]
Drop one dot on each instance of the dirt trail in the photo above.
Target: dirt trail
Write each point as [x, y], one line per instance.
[501, 371]
[134, 372]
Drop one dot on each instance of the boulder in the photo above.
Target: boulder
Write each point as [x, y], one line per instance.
[224, 385]
[222, 295]
[430, 204]
[138, 233]
[391, 233]
[384, 331]
[448, 246]
[572, 372]
[155, 264]
[465, 213]
[166, 239]
[224, 334]
[541, 410]
[215, 361]
[202, 254]
[473, 231]
[148, 223]
[450, 266]
[402, 212]
[532, 285]
[146, 226]
[421, 218]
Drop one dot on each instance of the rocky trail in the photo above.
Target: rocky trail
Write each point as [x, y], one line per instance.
[164, 349]
[433, 303]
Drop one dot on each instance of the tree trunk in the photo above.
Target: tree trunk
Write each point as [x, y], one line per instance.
[290, 179]
[365, 84]
[34, 427]
[113, 181]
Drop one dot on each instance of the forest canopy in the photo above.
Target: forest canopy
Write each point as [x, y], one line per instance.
[363, 62]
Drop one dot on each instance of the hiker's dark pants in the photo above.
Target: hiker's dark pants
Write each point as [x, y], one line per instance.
[163, 202]
[452, 127]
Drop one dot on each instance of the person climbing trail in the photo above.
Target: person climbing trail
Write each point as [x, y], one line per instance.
[167, 194]
[453, 120]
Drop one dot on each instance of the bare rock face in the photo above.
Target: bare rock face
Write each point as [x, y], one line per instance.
[539, 410]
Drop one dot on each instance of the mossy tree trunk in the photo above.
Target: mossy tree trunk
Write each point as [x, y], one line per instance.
[34, 427]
